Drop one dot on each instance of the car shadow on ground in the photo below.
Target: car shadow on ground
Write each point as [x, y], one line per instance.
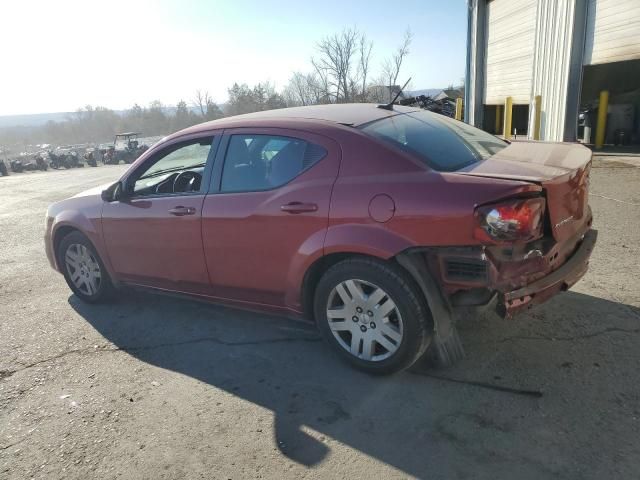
[447, 421]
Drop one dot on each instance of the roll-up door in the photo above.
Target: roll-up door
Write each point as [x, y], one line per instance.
[613, 31]
[511, 28]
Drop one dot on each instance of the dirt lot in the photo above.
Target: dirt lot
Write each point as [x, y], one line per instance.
[155, 387]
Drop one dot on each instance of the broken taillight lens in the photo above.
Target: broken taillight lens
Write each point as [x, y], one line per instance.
[518, 220]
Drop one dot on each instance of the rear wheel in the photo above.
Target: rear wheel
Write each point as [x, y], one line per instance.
[372, 313]
[83, 269]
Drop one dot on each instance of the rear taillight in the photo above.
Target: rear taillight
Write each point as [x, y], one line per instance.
[518, 220]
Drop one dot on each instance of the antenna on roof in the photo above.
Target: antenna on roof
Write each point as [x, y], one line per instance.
[389, 106]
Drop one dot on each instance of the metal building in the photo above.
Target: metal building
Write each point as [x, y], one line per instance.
[542, 65]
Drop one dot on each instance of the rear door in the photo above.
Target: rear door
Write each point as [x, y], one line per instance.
[268, 208]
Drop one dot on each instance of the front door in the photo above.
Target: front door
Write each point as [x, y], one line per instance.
[153, 235]
[268, 209]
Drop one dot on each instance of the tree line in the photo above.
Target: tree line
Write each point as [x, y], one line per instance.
[342, 70]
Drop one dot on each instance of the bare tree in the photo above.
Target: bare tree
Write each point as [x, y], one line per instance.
[391, 66]
[202, 100]
[299, 91]
[335, 62]
[320, 85]
[307, 89]
[209, 110]
[363, 64]
[342, 71]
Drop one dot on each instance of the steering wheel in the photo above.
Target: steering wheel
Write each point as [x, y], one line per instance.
[166, 185]
[187, 181]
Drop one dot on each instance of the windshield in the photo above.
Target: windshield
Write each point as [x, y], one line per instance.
[442, 143]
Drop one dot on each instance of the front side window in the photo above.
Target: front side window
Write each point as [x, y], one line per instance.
[442, 143]
[177, 169]
[264, 162]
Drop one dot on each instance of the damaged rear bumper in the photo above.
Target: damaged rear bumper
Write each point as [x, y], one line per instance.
[539, 291]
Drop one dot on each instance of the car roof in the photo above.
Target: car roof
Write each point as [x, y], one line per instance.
[350, 114]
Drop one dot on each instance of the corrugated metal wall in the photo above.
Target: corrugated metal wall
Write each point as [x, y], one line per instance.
[509, 50]
[613, 31]
[550, 72]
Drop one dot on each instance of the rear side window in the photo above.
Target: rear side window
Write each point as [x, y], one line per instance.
[442, 143]
[264, 162]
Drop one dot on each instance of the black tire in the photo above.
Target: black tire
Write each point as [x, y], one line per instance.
[402, 289]
[105, 289]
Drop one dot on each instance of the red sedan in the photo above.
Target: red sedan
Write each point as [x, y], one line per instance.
[380, 225]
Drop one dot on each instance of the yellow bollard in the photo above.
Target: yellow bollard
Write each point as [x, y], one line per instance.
[498, 129]
[508, 105]
[601, 125]
[458, 108]
[537, 105]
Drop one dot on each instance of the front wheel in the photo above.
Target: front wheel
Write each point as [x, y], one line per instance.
[373, 314]
[83, 269]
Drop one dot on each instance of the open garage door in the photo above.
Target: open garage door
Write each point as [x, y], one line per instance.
[612, 62]
[621, 80]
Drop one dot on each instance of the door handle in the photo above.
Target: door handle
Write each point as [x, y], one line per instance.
[299, 207]
[182, 211]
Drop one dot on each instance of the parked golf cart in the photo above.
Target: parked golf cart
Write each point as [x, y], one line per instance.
[125, 148]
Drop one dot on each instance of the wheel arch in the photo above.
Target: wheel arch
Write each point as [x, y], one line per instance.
[64, 227]
[447, 348]
[59, 233]
[409, 261]
[315, 272]
[341, 242]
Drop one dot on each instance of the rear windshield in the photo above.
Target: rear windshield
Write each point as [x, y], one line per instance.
[442, 143]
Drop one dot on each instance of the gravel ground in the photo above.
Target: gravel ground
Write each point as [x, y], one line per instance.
[156, 387]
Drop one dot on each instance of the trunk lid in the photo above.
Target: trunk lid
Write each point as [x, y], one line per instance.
[561, 168]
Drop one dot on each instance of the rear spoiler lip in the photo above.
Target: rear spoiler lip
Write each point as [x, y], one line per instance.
[519, 178]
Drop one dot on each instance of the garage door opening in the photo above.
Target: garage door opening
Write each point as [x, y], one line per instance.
[493, 120]
[620, 79]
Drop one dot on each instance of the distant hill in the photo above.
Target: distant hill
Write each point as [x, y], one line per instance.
[38, 119]
[32, 120]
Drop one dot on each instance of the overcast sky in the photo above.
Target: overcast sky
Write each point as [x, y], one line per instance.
[63, 54]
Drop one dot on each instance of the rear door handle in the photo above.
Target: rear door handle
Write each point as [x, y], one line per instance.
[299, 207]
[182, 211]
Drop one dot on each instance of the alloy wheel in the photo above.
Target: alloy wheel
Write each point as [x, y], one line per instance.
[83, 268]
[365, 320]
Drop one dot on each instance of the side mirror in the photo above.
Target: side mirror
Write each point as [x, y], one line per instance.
[114, 192]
